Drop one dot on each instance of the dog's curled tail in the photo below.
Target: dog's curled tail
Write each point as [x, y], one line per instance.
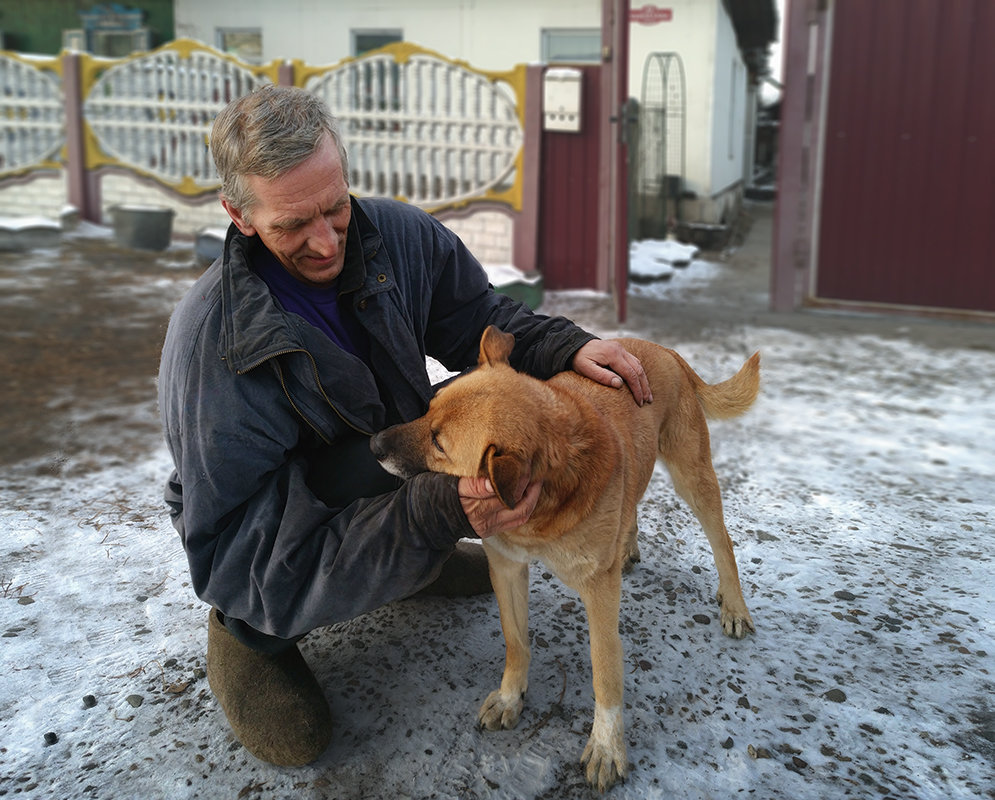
[729, 398]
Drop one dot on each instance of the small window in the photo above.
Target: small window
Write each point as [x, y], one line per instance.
[365, 40]
[246, 44]
[571, 45]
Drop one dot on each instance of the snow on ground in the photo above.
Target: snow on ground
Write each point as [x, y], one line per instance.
[654, 259]
[859, 491]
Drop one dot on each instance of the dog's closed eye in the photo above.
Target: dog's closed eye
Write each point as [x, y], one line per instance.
[436, 444]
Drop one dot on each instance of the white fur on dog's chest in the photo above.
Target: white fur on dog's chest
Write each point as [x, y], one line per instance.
[512, 552]
[564, 563]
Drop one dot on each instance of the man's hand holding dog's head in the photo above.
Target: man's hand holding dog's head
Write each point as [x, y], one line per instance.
[487, 513]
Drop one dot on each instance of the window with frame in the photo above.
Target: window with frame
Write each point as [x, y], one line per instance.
[246, 44]
[571, 45]
[365, 40]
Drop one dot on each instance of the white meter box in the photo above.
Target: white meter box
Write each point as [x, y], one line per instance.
[561, 92]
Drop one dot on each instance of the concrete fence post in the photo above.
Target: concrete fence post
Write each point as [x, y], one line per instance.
[82, 187]
[525, 244]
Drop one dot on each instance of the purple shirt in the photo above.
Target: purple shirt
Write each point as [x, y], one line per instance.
[319, 305]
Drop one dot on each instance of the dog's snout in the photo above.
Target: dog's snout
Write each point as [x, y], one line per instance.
[389, 448]
[378, 445]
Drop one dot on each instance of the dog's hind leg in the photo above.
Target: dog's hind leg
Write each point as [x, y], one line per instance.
[510, 579]
[690, 465]
[631, 555]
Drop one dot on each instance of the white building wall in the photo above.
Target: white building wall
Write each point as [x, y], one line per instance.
[701, 33]
[690, 34]
[489, 34]
[729, 110]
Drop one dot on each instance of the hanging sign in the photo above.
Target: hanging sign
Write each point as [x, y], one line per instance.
[650, 15]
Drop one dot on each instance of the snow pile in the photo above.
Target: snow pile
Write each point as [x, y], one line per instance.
[655, 260]
[504, 274]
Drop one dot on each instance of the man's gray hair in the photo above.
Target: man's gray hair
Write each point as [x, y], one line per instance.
[267, 133]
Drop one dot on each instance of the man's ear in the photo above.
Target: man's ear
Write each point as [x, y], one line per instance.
[240, 220]
[509, 474]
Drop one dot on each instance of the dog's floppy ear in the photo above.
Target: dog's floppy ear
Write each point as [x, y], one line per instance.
[495, 347]
[509, 474]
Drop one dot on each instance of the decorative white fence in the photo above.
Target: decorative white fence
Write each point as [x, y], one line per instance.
[154, 113]
[425, 128]
[418, 126]
[32, 114]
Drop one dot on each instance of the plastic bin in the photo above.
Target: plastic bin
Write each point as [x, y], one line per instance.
[143, 227]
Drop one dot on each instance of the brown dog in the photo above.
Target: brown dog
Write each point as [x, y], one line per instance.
[594, 450]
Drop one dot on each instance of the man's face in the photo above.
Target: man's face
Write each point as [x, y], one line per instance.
[302, 216]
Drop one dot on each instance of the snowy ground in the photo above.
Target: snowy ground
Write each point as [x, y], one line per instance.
[859, 491]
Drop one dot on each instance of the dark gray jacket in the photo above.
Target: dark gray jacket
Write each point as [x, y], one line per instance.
[249, 393]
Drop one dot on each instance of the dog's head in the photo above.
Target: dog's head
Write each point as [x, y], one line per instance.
[485, 423]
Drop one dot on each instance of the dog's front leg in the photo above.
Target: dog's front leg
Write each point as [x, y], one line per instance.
[605, 754]
[510, 579]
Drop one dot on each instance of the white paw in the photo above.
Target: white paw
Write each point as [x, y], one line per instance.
[735, 618]
[499, 711]
[605, 752]
[736, 624]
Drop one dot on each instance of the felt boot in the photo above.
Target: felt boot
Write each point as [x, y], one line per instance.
[464, 574]
[273, 702]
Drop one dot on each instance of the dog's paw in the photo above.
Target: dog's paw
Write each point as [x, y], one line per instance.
[631, 559]
[735, 618]
[631, 555]
[605, 752]
[606, 763]
[499, 712]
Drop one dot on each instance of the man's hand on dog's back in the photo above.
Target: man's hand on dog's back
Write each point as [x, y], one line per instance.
[487, 513]
[611, 364]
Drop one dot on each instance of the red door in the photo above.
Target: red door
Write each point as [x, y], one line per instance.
[583, 214]
[907, 199]
[569, 196]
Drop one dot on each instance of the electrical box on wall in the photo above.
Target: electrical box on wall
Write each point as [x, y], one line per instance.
[561, 92]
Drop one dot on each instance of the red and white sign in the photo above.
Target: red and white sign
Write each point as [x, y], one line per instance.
[650, 15]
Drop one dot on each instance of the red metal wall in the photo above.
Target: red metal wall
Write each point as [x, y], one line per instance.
[568, 203]
[908, 200]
